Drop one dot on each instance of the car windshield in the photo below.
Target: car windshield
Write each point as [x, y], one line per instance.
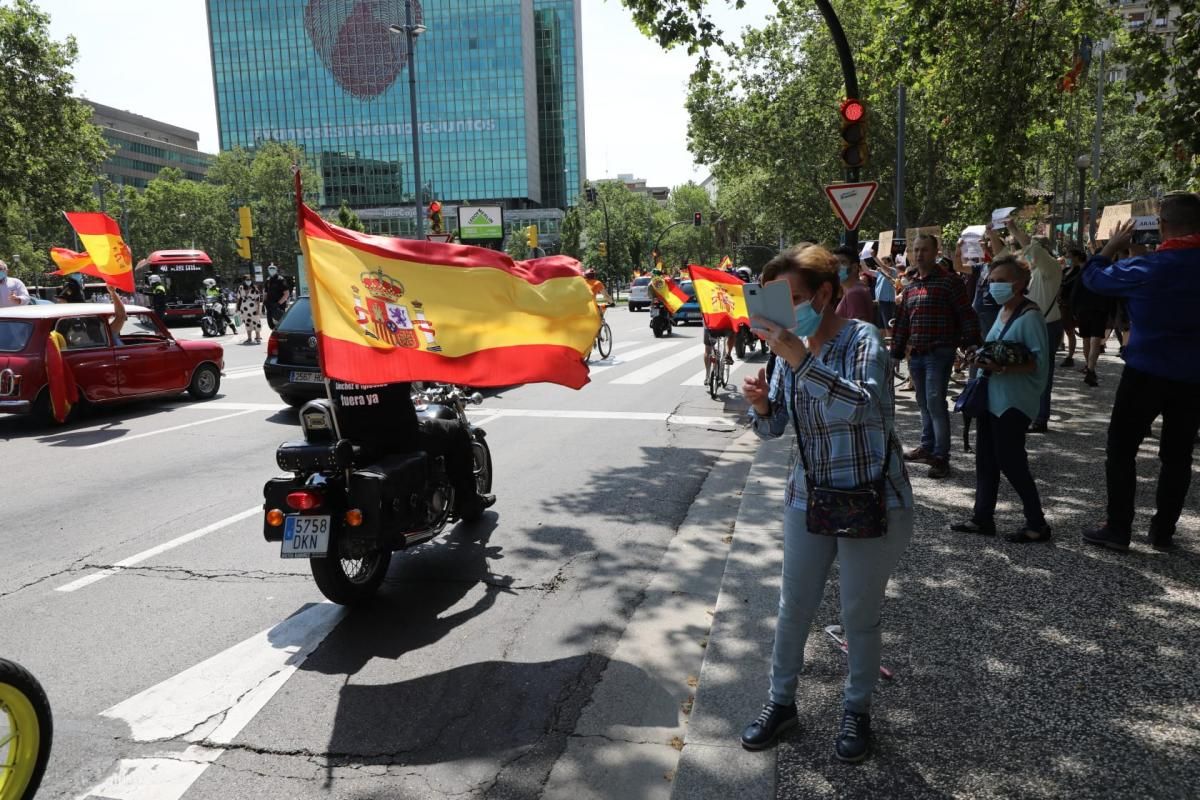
[641, 281]
[14, 335]
[298, 318]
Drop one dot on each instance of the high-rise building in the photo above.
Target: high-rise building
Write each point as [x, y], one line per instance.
[143, 146]
[499, 96]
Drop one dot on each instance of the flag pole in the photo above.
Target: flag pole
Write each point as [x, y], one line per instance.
[337, 430]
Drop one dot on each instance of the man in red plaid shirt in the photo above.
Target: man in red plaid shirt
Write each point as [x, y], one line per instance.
[935, 318]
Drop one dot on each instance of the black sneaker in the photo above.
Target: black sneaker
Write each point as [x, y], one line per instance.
[854, 737]
[1090, 378]
[1106, 537]
[939, 468]
[1160, 539]
[773, 720]
[1067, 362]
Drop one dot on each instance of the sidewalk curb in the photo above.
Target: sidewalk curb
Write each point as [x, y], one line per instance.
[733, 679]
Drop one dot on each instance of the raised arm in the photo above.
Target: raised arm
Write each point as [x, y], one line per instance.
[119, 315]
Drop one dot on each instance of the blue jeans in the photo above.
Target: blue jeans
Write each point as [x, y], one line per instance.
[864, 566]
[887, 312]
[931, 380]
[1054, 334]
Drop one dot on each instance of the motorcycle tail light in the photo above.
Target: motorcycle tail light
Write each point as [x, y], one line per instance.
[272, 345]
[306, 500]
[354, 518]
[274, 517]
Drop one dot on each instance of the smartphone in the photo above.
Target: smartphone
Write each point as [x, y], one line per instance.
[772, 301]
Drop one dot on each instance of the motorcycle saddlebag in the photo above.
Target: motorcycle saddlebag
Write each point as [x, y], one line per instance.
[275, 494]
[390, 494]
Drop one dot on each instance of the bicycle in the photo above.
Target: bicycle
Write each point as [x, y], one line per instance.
[718, 370]
[26, 729]
[604, 340]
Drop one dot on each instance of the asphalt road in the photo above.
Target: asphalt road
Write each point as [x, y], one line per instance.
[184, 658]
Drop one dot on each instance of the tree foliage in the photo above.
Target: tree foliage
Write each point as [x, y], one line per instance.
[346, 218]
[49, 149]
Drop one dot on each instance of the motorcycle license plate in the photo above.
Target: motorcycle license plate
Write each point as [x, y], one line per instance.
[305, 537]
[306, 377]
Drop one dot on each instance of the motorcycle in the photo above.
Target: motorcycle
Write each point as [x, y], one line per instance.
[347, 513]
[660, 320]
[26, 730]
[745, 342]
[216, 317]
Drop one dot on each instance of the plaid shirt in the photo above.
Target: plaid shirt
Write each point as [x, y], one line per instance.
[842, 404]
[936, 312]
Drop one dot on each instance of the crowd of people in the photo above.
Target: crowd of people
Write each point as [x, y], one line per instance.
[1002, 319]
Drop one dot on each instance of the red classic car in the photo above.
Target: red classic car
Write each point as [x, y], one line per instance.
[141, 360]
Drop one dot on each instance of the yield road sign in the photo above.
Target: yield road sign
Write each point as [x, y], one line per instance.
[850, 200]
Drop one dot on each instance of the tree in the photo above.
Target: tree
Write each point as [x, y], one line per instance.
[571, 232]
[346, 218]
[516, 245]
[687, 243]
[174, 213]
[49, 149]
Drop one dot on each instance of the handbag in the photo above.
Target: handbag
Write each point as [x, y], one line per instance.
[973, 400]
[859, 513]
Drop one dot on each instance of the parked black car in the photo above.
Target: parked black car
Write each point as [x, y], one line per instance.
[291, 367]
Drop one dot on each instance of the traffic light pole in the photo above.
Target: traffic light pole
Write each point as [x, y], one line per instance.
[850, 75]
[664, 233]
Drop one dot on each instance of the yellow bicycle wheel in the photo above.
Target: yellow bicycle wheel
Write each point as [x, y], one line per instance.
[26, 729]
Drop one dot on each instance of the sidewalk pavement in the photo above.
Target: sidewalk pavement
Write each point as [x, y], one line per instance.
[1031, 671]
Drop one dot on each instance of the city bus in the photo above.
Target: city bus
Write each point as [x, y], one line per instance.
[183, 273]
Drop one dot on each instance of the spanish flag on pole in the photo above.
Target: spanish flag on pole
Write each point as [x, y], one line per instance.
[720, 297]
[63, 391]
[672, 295]
[101, 238]
[389, 310]
[726, 263]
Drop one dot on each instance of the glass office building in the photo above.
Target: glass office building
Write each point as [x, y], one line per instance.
[498, 95]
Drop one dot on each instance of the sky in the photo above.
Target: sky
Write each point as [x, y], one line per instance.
[151, 57]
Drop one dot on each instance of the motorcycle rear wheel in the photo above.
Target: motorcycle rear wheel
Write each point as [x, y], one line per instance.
[350, 581]
[26, 731]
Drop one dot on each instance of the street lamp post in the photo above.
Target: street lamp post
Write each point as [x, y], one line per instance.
[1083, 162]
[411, 31]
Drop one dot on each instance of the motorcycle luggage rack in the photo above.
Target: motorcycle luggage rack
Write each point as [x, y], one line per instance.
[307, 457]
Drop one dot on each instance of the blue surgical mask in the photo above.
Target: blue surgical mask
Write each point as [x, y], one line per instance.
[1001, 291]
[3, 274]
[807, 320]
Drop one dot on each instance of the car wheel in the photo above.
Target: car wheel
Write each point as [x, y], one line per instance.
[206, 380]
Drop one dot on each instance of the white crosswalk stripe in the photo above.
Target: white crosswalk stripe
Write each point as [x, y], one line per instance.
[660, 367]
[618, 360]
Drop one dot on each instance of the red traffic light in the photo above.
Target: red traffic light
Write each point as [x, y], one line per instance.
[853, 110]
[696, 219]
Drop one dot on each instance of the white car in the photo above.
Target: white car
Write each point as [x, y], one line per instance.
[639, 294]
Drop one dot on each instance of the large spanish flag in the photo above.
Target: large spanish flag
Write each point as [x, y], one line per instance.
[101, 238]
[669, 292]
[389, 310]
[69, 262]
[720, 297]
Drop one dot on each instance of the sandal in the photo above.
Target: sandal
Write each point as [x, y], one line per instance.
[1030, 535]
[971, 526]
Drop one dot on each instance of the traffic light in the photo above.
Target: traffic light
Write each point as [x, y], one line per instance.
[854, 132]
[435, 217]
[531, 236]
[603, 249]
[246, 229]
[696, 219]
[243, 247]
[591, 194]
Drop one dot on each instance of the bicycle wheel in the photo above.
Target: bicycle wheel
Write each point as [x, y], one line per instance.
[714, 378]
[604, 341]
[26, 729]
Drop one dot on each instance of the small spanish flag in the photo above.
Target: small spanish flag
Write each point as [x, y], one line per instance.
[672, 295]
[63, 391]
[720, 297]
[726, 263]
[101, 238]
[390, 310]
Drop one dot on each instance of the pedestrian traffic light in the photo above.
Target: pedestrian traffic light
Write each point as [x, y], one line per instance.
[603, 248]
[696, 219]
[531, 236]
[854, 132]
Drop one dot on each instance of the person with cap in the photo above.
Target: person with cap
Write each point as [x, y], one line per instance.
[1162, 374]
[71, 290]
[12, 290]
[277, 293]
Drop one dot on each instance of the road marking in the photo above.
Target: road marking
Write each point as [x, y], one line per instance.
[222, 405]
[171, 429]
[659, 368]
[133, 560]
[234, 376]
[633, 355]
[629, 416]
[209, 703]
[735, 374]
